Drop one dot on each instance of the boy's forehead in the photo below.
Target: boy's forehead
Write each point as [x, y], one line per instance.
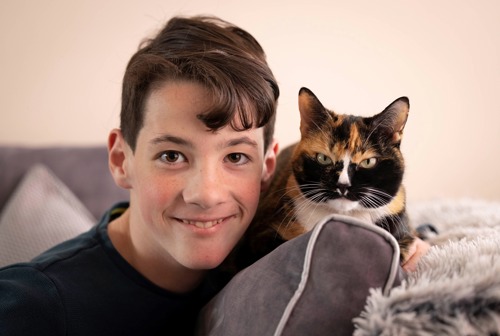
[179, 96]
[171, 126]
[182, 103]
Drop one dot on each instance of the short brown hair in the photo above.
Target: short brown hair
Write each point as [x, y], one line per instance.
[224, 58]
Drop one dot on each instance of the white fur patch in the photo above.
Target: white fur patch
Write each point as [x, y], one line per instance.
[344, 175]
[309, 213]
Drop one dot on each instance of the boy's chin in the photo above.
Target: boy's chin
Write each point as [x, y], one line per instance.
[206, 262]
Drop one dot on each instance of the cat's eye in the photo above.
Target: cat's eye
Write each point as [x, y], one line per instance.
[323, 159]
[368, 163]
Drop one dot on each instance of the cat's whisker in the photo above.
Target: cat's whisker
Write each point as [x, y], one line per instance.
[382, 214]
[314, 196]
[378, 212]
[379, 193]
[372, 200]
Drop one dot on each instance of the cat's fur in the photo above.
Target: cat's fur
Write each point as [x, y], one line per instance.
[343, 164]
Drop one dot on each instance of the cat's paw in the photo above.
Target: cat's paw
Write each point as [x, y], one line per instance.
[415, 252]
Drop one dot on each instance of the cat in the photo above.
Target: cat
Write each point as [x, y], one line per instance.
[343, 164]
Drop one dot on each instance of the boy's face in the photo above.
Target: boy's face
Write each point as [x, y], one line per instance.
[193, 191]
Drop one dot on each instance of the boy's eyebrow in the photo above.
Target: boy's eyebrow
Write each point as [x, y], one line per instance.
[172, 139]
[243, 140]
[183, 142]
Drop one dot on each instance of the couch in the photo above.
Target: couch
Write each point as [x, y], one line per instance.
[49, 194]
[341, 278]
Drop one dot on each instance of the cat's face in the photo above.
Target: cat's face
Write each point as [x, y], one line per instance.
[346, 162]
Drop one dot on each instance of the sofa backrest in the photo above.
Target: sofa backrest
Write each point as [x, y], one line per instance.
[83, 169]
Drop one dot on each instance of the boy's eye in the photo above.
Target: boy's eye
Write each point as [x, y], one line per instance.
[237, 158]
[172, 157]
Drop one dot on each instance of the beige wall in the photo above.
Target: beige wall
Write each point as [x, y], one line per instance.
[62, 61]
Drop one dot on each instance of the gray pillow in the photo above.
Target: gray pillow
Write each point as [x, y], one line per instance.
[41, 212]
[312, 285]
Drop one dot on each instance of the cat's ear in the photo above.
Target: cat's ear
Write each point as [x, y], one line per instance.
[312, 113]
[392, 120]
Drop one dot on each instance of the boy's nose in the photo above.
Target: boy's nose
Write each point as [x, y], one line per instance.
[204, 188]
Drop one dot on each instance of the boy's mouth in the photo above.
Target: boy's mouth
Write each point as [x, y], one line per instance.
[202, 224]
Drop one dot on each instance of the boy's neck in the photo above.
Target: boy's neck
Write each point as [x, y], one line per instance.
[160, 270]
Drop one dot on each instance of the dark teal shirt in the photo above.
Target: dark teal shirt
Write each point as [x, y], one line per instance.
[84, 287]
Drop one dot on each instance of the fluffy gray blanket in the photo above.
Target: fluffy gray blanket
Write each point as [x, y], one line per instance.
[456, 289]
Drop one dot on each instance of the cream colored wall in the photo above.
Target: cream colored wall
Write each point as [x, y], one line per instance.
[62, 61]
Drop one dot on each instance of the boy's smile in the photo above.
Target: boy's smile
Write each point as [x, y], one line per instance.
[202, 224]
[193, 192]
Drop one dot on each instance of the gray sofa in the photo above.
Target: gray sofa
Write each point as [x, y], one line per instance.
[51, 194]
[315, 284]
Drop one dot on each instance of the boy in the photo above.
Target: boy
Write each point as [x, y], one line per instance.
[194, 148]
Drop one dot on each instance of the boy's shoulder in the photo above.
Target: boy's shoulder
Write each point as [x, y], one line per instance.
[35, 295]
[29, 298]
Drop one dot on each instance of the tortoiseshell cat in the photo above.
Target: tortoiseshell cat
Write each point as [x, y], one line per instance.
[343, 164]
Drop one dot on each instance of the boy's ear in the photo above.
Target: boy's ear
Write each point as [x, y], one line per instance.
[269, 165]
[118, 150]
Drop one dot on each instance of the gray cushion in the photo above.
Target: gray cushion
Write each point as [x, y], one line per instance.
[312, 285]
[42, 212]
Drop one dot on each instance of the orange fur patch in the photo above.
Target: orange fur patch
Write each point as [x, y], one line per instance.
[397, 204]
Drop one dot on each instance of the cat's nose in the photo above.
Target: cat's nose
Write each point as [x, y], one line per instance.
[343, 188]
